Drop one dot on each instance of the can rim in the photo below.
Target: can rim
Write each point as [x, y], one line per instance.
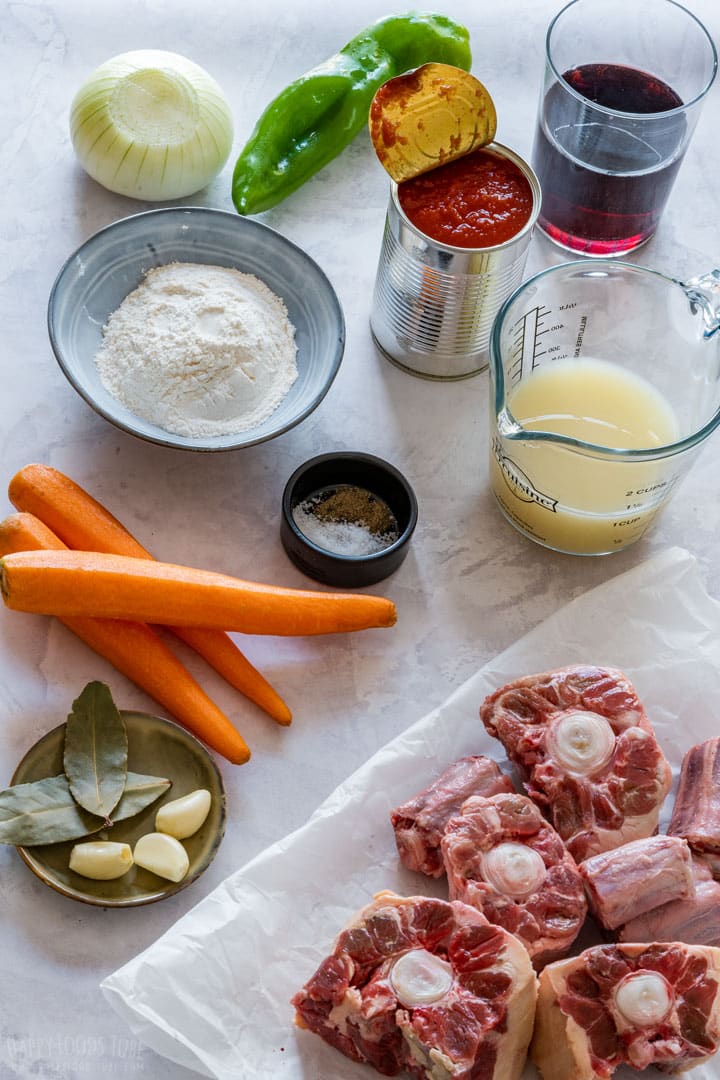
[530, 176]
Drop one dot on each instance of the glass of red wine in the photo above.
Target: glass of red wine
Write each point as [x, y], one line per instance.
[625, 81]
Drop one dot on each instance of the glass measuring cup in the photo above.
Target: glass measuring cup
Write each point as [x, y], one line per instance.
[651, 347]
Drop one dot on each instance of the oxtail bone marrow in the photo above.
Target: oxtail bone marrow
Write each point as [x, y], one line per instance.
[503, 858]
[587, 753]
[637, 1005]
[426, 987]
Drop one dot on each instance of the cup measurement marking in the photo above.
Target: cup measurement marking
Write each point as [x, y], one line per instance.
[528, 331]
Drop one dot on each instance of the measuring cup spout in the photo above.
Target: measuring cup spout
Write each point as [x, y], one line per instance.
[703, 292]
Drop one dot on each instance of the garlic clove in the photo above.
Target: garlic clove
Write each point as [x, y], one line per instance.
[183, 817]
[102, 860]
[515, 870]
[582, 743]
[420, 978]
[163, 855]
[644, 998]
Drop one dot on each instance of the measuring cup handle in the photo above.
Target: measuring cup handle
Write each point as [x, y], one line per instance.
[704, 291]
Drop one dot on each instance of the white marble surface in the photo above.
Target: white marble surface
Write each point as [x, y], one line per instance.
[470, 585]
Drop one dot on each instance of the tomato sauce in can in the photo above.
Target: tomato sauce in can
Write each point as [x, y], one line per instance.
[480, 200]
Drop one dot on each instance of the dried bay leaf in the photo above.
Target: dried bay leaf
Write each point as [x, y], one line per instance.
[139, 792]
[45, 812]
[95, 756]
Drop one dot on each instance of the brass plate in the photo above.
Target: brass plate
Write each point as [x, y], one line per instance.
[156, 747]
[428, 117]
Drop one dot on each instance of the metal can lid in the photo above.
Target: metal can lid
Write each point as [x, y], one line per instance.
[428, 117]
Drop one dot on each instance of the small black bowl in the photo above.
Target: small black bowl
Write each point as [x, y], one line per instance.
[360, 470]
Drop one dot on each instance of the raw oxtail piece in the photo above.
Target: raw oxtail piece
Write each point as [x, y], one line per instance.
[503, 858]
[587, 752]
[696, 814]
[425, 987]
[637, 877]
[636, 1005]
[695, 920]
[420, 822]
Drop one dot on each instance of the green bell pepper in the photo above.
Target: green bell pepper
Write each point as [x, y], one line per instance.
[315, 117]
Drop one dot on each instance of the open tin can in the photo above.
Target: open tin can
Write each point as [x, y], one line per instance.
[434, 304]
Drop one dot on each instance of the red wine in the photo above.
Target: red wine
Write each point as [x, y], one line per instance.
[605, 179]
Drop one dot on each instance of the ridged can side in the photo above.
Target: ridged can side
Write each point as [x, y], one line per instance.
[434, 305]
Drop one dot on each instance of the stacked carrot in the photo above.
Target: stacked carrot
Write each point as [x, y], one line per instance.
[109, 588]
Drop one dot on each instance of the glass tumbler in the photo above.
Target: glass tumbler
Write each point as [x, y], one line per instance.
[624, 85]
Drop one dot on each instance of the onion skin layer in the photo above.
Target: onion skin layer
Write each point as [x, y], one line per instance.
[151, 125]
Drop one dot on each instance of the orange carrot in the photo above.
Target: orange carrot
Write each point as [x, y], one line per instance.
[119, 587]
[137, 652]
[72, 514]
[84, 524]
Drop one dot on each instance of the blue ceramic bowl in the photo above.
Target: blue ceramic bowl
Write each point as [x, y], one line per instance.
[99, 275]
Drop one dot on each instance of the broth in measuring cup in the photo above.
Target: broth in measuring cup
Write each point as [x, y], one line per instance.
[585, 359]
[603, 404]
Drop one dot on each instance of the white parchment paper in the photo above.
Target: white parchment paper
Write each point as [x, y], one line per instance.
[213, 993]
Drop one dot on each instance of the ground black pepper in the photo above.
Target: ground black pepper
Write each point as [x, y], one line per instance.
[356, 505]
[347, 520]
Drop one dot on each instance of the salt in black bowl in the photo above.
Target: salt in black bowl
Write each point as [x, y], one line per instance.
[339, 470]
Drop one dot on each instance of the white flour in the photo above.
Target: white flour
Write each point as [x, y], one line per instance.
[199, 350]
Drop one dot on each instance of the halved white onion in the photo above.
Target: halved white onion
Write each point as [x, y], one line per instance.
[582, 743]
[515, 870]
[419, 977]
[644, 999]
[152, 125]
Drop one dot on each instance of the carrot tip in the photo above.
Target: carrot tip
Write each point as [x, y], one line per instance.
[241, 757]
